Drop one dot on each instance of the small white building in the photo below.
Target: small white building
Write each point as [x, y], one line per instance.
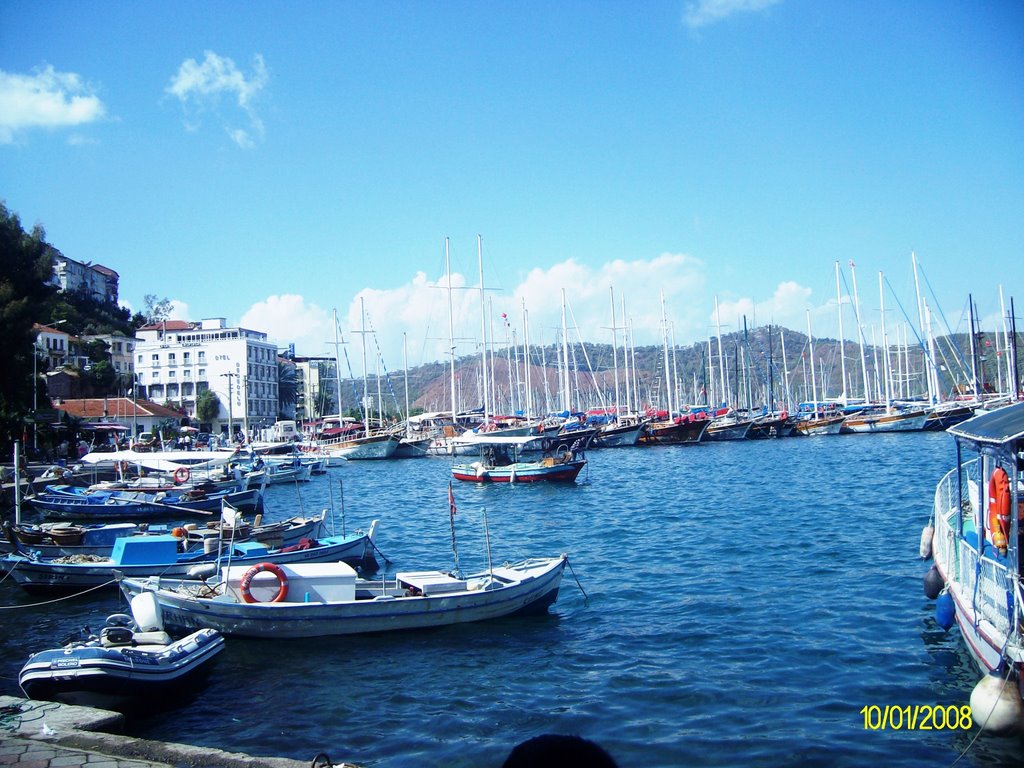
[176, 360]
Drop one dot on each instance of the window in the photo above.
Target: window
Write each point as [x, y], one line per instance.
[156, 358]
[140, 359]
[186, 357]
[171, 358]
[202, 357]
[171, 374]
[187, 374]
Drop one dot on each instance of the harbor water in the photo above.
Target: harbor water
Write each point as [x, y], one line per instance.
[746, 604]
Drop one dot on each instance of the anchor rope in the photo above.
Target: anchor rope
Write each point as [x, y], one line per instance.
[60, 599]
[586, 598]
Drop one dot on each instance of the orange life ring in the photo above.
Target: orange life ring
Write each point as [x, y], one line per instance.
[181, 475]
[999, 507]
[245, 587]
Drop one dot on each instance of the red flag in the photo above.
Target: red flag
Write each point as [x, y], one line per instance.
[451, 499]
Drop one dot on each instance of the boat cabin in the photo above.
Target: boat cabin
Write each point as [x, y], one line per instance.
[307, 583]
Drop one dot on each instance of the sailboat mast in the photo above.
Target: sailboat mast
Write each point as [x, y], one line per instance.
[566, 393]
[664, 346]
[711, 376]
[483, 325]
[615, 351]
[860, 334]
[526, 358]
[814, 383]
[974, 353]
[886, 363]
[842, 347]
[405, 359]
[451, 328]
[337, 364]
[933, 392]
[721, 357]
[625, 355]
[366, 393]
[1006, 339]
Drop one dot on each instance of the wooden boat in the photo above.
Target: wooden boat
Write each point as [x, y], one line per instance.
[64, 539]
[689, 428]
[501, 462]
[883, 420]
[68, 502]
[363, 448]
[312, 600]
[976, 578]
[730, 426]
[945, 415]
[618, 434]
[131, 662]
[771, 425]
[161, 554]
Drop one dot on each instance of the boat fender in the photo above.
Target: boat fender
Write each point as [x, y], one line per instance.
[945, 611]
[927, 533]
[933, 583]
[996, 706]
[203, 570]
[999, 508]
[246, 586]
[181, 475]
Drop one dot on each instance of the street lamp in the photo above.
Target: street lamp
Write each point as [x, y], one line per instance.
[231, 424]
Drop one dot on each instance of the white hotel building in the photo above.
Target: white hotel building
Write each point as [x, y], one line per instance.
[175, 361]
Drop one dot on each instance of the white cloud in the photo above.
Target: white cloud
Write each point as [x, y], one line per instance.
[419, 310]
[703, 13]
[45, 99]
[200, 86]
[289, 319]
[179, 310]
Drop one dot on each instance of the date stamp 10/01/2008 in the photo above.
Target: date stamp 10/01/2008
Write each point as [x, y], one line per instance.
[917, 717]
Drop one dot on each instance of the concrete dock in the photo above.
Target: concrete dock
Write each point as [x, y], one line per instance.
[44, 734]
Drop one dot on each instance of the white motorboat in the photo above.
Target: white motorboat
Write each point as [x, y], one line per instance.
[317, 599]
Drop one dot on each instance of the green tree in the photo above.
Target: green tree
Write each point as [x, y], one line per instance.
[156, 310]
[287, 391]
[207, 407]
[25, 269]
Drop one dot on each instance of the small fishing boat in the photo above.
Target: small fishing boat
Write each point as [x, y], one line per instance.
[64, 539]
[501, 462]
[131, 662]
[313, 600]
[67, 502]
[975, 537]
[161, 554]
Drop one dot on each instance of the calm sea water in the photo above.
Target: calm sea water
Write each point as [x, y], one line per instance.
[746, 601]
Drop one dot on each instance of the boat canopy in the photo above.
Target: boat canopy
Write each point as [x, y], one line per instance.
[996, 427]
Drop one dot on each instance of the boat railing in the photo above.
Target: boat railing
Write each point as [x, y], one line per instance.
[984, 579]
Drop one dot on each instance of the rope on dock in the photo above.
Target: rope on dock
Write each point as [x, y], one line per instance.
[12, 717]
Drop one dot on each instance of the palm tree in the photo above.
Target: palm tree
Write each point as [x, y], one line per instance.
[287, 394]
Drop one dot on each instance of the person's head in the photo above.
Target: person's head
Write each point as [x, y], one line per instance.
[554, 750]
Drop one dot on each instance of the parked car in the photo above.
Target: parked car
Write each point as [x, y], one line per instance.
[202, 440]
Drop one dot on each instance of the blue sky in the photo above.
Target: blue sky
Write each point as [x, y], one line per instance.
[271, 162]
